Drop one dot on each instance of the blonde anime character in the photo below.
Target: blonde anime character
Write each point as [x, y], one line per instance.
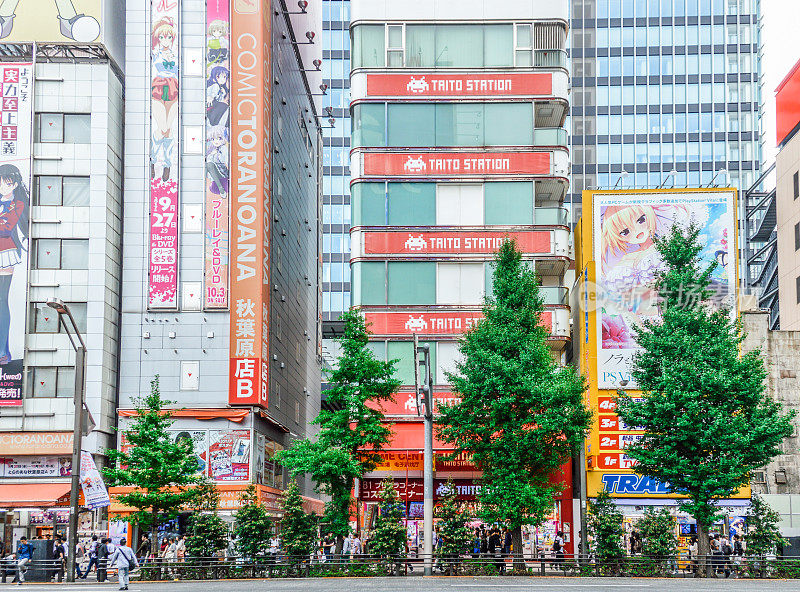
[164, 92]
[73, 25]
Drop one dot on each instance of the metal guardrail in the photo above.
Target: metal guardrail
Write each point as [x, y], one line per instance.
[281, 566]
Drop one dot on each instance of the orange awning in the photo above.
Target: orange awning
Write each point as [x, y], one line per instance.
[236, 415]
[34, 495]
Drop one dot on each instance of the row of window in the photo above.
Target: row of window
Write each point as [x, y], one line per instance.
[449, 124]
[655, 152]
[677, 65]
[429, 282]
[679, 35]
[443, 358]
[675, 123]
[667, 94]
[66, 128]
[443, 46]
[53, 190]
[60, 253]
[681, 179]
[664, 8]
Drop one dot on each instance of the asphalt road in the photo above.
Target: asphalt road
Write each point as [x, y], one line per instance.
[437, 584]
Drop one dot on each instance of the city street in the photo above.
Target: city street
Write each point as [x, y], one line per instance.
[449, 585]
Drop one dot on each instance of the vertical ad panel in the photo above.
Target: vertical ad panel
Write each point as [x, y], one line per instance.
[266, 188]
[15, 182]
[218, 127]
[247, 203]
[164, 153]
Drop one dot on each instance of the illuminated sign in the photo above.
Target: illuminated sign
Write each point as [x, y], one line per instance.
[485, 242]
[429, 323]
[438, 85]
[422, 164]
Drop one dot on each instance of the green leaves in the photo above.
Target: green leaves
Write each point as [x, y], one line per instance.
[453, 532]
[604, 521]
[657, 528]
[521, 416]
[763, 530]
[298, 529]
[389, 535]
[351, 431]
[707, 418]
[253, 525]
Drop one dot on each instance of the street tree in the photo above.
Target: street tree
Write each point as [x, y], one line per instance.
[161, 469]
[452, 527]
[388, 538]
[298, 529]
[605, 524]
[352, 429]
[521, 415]
[657, 528]
[207, 533]
[763, 533]
[253, 526]
[708, 421]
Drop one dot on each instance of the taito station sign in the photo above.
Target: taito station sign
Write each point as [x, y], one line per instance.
[451, 322]
[483, 242]
[421, 164]
[439, 85]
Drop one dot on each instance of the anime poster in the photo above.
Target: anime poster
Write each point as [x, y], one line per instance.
[628, 263]
[94, 489]
[164, 153]
[16, 111]
[229, 455]
[217, 151]
[199, 441]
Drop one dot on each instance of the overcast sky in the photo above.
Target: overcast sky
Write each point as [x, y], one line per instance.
[781, 37]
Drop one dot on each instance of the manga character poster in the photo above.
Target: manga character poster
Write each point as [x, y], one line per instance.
[229, 455]
[625, 226]
[164, 154]
[198, 440]
[217, 154]
[16, 112]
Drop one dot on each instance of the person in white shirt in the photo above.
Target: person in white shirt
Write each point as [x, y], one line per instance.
[125, 560]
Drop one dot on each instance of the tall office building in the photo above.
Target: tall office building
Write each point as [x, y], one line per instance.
[458, 142]
[662, 86]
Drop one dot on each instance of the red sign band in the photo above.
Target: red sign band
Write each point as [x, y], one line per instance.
[470, 85]
[485, 242]
[423, 164]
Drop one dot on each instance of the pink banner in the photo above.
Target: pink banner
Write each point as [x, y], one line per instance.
[422, 164]
[164, 154]
[483, 242]
[451, 322]
[438, 85]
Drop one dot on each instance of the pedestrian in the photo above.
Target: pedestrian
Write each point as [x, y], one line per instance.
[144, 549]
[125, 559]
[738, 554]
[727, 552]
[92, 556]
[80, 552]
[495, 549]
[347, 548]
[506, 544]
[327, 546]
[231, 548]
[558, 547]
[59, 558]
[693, 549]
[102, 560]
[180, 548]
[24, 555]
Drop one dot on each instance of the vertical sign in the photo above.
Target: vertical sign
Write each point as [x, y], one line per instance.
[162, 291]
[250, 201]
[15, 180]
[94, 489]
[218, 127]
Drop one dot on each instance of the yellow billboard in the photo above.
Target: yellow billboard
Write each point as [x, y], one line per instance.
[51, 21]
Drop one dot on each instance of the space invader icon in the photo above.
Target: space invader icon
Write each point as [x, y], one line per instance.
[414, 165]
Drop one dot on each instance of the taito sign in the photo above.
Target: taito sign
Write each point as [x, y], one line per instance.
[450, 322]
[438, 85]
[483, 242]
[422, 164]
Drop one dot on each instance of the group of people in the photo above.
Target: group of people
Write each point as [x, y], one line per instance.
[726, 554]
[102, 554]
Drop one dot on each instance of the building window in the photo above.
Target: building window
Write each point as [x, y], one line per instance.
[51, 381]
[60, 191]
[44, 319]
[523, 46]
[796, 179]
[66, 128]
[797, 236]
[57, 253]
[394, 46]
[797, 288]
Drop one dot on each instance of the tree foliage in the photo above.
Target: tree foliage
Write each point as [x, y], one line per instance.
[207, 533]
[298, 529]
[657, 528]
[389, 535]
[253, 526]
[453, 532]
[521, 416]
[352, 430]
[763, 534]
[163, 472]
[707, 418]
[605, 527]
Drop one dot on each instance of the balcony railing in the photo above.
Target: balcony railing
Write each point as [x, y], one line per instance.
[550, 136]
[554, 294]
[550, 58]
[551, 216]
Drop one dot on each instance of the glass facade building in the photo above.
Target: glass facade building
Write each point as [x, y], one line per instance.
[336, 161]
[661, 86]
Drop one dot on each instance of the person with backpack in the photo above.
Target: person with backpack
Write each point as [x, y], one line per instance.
[558, 547]
[59, 559]
[102, 560]
[125, 560]
[23, 556]
[92, 552]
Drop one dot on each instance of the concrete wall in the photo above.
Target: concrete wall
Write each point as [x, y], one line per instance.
[787, 165]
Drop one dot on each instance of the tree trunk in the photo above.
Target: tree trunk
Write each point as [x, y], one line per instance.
[339, 545]
[704, 565]
[517, 549]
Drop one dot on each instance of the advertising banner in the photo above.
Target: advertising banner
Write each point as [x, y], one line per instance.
[217, 154]
[624, 228]
[483, 242]
[451, 322]
[35, 443]
[165, 60]
[229, 455]
[45, 517]
[199, 440]
[36, 466]
[423, 164]
[411, 490]
[94, 489]
[16, 112]
[403, 402]
[471, 85]
[250, 202]
[60, 21]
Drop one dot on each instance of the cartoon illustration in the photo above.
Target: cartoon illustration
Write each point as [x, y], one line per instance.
[14, 216]
[75, 26]
[217, 159]
[165, 95]
[416, 243]
[411, 403]
[217, 42]
[217, 96]
[417, 85]
[414, 165]
[415, 324]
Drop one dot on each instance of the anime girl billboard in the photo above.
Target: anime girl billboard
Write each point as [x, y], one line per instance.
[15, 176]
[627, 263]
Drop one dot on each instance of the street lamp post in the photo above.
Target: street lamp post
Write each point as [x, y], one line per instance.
[77, 428]
[426, 390]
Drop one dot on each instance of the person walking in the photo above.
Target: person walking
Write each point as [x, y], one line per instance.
[92, 552]
[125, 560]
[24, 555]
[180, 548]
[327, 546]
[102, 560]
[144, 549]
[693, 547]
[59, 559]
[558, 547]
[495, 549]
[347, 548]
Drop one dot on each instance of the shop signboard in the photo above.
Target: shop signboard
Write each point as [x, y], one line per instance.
[426, 164]
[229, 455]
[35, 466]
[438, 242]
[403, 402]
[16, 112]
[471, 85]
[412, 490]
[35, 443]
[452, 322]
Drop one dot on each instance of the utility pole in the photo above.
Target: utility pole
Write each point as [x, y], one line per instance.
[425, 408]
